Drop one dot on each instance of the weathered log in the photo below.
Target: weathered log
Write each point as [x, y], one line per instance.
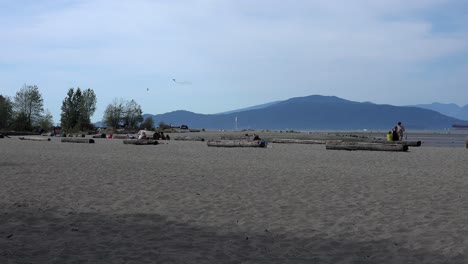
[408, 143]
[190, 138]
[366, 146]
[103, 135]
[77, 140]
[120, 136]
[35, 138]
[140, 141]
[302, 141]
[236, 143]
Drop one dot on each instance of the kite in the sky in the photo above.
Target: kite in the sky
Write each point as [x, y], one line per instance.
[183, 83]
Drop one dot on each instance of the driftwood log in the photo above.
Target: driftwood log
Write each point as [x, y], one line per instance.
[236, 143]
[35, 138]
[189, 138]
[103, 135]
[408, 143]
[365, 146]
[140, 141]
[77, 140]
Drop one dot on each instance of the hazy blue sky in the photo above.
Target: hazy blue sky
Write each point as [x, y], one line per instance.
[235, 53]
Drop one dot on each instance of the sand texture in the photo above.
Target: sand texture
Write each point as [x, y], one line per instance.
[184, 202]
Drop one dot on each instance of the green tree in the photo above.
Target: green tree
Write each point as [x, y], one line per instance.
[113, 114]
[46, 121]
[163, 125]
[88, 107]
[148, 124]
[132, 115]
[123, 113]
[69, 115]
[6, 112]
[77, 109]
[28, 107]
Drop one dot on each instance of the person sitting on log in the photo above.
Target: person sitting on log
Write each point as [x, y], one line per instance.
[395, 136]
[256, 137]
[156, 136]
[389, 136]
[142, 135]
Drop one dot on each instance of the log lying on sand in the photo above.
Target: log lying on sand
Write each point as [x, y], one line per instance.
[190, 138]
[35, 138]
[408, 143]
[365, 146]
[78, 140]
[103, 135]
[302, 141]
[236, 143]
[140, 141]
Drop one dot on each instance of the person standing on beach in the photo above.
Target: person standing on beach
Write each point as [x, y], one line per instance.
[400, 130]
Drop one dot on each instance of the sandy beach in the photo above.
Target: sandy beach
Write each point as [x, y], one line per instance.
[184, 202]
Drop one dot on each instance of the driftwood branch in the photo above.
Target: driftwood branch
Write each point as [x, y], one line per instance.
[77, 140]
[408, 143]
[366, 146]
[35, 138]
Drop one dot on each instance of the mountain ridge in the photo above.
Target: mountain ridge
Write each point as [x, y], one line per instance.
[314, 112]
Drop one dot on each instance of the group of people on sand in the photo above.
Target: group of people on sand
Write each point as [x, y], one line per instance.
[156, 135]
[396, 134]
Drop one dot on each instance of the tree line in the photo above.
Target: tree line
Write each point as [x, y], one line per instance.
[25, 112]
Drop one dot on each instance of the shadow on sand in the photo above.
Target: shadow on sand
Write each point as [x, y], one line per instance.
[32, 235]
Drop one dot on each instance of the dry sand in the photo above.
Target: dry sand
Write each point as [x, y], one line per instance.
[184, 202]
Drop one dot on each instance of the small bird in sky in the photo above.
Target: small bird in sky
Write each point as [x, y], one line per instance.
[182, 83]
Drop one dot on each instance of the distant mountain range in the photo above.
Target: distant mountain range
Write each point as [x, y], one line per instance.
[314, 112]
[451, 110]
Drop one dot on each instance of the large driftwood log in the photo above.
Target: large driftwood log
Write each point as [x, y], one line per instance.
[77, 140]
[140, 141]
[366, 146]
[103, 135]
[189, 138]
[35, 138]
[236, 143]
[408, 143]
